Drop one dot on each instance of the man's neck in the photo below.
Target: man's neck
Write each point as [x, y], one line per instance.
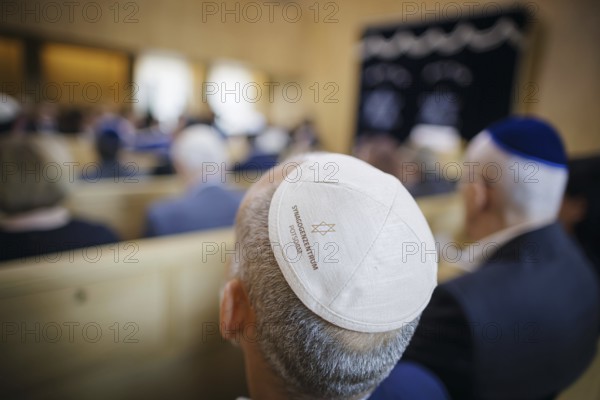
[262, 382]
[485, 227]
[479, 251]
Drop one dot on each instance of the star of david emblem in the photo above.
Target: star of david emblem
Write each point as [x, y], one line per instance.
[323, 228]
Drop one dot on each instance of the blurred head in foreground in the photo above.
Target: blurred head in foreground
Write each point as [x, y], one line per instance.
[330, 281]
[516, 172]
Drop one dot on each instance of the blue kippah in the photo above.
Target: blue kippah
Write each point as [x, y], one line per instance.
[530, 138]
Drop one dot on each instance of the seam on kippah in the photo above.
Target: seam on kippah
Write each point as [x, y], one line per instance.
[369, 249]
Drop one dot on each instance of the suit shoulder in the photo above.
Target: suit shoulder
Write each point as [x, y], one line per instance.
[166, 206]
[101, 233]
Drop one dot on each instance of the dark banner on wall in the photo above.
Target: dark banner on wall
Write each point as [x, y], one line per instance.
[454, 73]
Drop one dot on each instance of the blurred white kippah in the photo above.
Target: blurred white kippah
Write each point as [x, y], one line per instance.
[352, 244]
[199, 145]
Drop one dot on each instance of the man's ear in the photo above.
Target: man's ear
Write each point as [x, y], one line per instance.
[482, 196]
[235, 311]
[477, 197]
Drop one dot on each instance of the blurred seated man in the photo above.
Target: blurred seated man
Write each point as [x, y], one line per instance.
[199, 155]
[381, 151]
[265, 150]
[524, 323]
[580, 211]
[108, 147]
[322, 301]
[423, 176]
[33, 222]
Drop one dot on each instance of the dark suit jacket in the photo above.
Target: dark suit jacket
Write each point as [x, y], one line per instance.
[410, 381]
[523, 326]
[206, 207]
[74, 235]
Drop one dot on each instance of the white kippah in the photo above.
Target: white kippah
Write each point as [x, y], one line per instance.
[340, 230]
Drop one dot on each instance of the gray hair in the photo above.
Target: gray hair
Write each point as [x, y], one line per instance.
[314, 358]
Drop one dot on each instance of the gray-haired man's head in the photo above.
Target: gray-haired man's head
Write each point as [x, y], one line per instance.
[303, 355]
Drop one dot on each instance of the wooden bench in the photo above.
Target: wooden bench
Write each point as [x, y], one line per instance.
[134, 320]
[121, 205]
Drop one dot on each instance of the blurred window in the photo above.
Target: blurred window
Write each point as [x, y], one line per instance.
[164, 86]
[233, 94]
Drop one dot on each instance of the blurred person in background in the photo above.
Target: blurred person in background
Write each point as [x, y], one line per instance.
[265, 149]
[523, 324]
[46, 118]
[71, 121]
[200, 157]
[580, 211]
[416, 164]
[164, 165]
[423, 174]
[42, 118]
[381, 151]
[151, 135]
[33, 186]
[304, 138]
[423, 163]
[108, 144]
[122, 122]
[10, 111]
